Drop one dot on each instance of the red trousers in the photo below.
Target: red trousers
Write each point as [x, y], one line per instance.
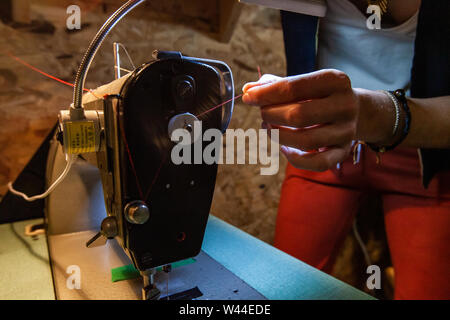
[316, 212]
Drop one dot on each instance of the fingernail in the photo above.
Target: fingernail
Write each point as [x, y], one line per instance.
[246, 98]
[249, 86]
[251, 89]
[244, 88]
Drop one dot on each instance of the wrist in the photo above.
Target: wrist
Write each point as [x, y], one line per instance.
[376, 117]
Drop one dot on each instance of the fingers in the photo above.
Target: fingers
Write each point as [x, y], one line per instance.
[315, 111]
[314, 85]
[311, 112]
[317, 137]
[265, 79]
[319, 161]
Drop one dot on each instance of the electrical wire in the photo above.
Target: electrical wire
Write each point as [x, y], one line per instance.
[361, 244]
[70, 161]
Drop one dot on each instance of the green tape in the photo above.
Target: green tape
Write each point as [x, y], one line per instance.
[124, 273]
[130, 272]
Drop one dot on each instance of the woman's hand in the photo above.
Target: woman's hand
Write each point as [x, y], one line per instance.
[318, 116]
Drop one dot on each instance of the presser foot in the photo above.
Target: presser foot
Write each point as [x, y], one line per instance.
[149, 291]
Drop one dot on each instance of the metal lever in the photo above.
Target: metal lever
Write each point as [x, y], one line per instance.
[97, 241]
[108, 231]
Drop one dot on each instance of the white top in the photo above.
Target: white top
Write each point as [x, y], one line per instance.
[373, 59]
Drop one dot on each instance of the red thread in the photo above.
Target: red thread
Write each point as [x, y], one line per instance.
[130, 158]
[155, 178]
[164, 159]
[26, 64]
[214, 108]
[223, 103]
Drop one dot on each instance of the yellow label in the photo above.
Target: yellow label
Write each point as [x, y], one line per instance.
[80, 136]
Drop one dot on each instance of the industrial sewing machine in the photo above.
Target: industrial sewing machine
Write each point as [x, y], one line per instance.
[156, 210]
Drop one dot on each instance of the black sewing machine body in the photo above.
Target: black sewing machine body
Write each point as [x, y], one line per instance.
[178, 196]
[135, 164]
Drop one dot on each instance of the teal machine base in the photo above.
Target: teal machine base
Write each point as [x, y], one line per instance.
[232, 265]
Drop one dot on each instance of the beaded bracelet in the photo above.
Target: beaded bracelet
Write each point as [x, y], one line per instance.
[400, 96]
[397, 111]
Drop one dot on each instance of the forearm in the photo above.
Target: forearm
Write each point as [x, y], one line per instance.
[430, 126]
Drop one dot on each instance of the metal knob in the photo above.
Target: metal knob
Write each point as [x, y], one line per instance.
[184, 89]
[184, 121]
[109, 227]
[137, 212]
